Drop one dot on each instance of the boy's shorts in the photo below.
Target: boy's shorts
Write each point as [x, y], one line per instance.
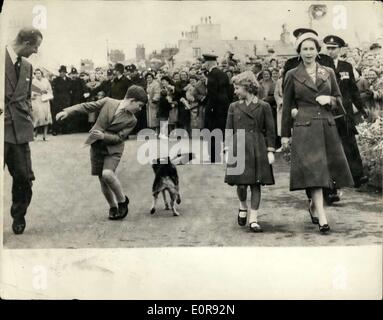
[100, 159]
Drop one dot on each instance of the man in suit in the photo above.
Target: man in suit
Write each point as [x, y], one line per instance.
[62, 93]
[120, 83]
[18, 125]
[115, 121]
[350, 95]
[218, 100]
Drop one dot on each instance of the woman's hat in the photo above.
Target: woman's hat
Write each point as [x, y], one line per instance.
[305, 36]
[300, 31]
[63, 69]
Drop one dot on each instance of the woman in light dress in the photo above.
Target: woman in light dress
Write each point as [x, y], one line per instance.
[153, 90]
[41, 95]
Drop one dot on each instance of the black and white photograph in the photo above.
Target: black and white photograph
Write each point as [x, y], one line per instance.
[191, 138]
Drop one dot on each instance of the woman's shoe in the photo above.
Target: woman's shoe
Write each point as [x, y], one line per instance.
[324, 229]
[242, 220]
[255, 227]
[314, 220]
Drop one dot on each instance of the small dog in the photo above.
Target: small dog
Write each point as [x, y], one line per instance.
[166, 179]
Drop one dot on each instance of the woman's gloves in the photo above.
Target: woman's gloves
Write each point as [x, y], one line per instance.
[323, 100]
[270, 156]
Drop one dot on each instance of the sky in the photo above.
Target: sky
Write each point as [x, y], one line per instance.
[81, 29]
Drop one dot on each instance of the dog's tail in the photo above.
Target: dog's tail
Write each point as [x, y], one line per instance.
[182, 158]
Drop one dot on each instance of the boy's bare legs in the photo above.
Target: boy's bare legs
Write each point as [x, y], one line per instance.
[110, 178]
[108, 193]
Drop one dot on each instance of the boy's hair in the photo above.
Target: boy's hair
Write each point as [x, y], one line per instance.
[137, 93]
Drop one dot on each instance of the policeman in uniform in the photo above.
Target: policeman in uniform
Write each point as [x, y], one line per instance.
[218, 101]
[350, 95]
[134, 76]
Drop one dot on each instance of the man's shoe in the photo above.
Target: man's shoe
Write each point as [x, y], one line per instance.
[18, 225]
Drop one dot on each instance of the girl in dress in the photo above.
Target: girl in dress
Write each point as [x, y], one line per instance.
[254, 116]
[41, 95]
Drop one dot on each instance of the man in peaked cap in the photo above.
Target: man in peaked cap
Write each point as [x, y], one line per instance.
[218, 101]
[136, 79]
[350, 95]
[322, 59]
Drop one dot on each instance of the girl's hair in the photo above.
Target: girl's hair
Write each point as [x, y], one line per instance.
[248, 85]
[149, 74]
[42, 73]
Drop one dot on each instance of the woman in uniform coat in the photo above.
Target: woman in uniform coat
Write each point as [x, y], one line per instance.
[317, 157]
[254, 116]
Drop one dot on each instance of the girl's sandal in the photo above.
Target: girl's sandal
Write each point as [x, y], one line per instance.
[242, 220]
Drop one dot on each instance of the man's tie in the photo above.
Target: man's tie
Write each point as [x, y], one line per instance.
[17, 67]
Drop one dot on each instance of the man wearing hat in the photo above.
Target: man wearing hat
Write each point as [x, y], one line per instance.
[62, 90]
[134, 76]
[218, 101]
[322, 59]
[120, 84]
[79, 93]
[350, 95]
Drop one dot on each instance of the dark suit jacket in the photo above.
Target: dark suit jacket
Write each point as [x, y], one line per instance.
[116, 129]
[62, 90]
[78, 88]
[104, 86]
[119, 88]
[218, 99]
[18, 125]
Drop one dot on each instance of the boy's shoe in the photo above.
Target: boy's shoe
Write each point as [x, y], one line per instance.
[123, 208]
[113, 213]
